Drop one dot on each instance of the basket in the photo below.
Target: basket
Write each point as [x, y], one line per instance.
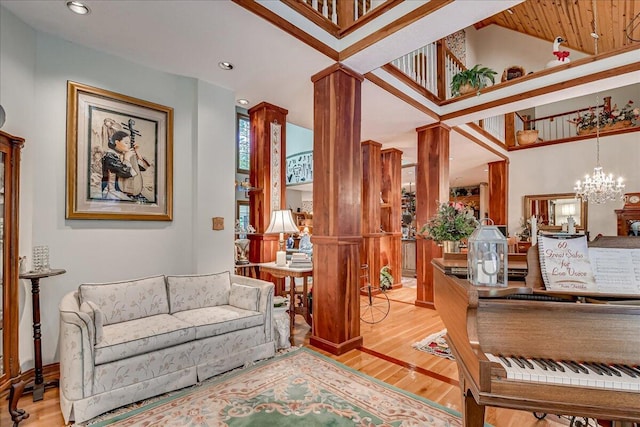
[512, 72]
[526, 137]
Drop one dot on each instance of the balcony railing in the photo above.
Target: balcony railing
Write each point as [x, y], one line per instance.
[424, 65]
[560, 126]
[342, 13]
[422, 68]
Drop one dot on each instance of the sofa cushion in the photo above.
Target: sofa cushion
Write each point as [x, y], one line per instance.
[243, 296]
[197, 291]
[126, 339]
[212, 321]
[127, 300]
[97, 316]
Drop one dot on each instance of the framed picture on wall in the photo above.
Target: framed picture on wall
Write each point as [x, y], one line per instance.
[119, 156]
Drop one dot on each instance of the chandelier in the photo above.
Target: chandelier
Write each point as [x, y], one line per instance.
[599, 187]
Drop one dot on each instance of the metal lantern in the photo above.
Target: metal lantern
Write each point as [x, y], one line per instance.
[487, 256]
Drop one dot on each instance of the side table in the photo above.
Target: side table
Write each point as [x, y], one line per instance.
[280, 272]
[38, 386]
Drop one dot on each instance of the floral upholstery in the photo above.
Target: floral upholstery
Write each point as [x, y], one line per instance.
[197, 291]
[127, 339]
[125, 344]
[243, 296]
[210, 321]
[92, 309]
[129, 300]
[142, 367]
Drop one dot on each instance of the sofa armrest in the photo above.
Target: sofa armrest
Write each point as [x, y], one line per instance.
[265, 303]
[76, 349]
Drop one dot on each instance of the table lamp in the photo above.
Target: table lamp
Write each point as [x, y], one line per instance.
[281, 222]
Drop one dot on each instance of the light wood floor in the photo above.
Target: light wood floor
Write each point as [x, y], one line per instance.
[415, 371]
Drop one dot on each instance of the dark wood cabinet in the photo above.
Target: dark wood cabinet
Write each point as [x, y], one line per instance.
[10, 147]
[628, 222]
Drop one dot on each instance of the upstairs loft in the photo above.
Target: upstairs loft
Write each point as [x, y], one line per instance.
[382, 35]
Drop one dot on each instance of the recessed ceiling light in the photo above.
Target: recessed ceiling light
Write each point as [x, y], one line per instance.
[595, 35]
[78, 7]
[510, 12]
[225, 65]
[243, 101]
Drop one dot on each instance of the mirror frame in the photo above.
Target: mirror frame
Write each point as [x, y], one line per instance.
[583, 209]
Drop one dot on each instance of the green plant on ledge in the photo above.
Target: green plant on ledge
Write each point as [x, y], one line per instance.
[471, 80]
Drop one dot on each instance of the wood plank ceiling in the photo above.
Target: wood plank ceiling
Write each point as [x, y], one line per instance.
[573, 20]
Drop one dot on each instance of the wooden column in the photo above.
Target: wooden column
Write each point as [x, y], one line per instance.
[337, 233]
[391, 216]
[432, 187]
[499, 192]
[268, 193]
[510, 129]
[371, 235]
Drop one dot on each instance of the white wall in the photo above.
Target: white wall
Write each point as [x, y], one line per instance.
[35, 70]
[499, 48]
[556, 168]
[17, 85]
[299, 140]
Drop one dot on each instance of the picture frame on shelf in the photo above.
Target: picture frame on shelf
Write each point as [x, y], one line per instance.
[119, 156]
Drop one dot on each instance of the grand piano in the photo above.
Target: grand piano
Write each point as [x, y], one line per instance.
[523, 347]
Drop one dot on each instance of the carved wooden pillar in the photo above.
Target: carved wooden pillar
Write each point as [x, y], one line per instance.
[337, 233]
[432, 187]
[391, 216]
[371, 235]
[499, 191]
[268, 156]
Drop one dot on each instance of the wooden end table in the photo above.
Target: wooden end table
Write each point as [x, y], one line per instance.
[280, 272]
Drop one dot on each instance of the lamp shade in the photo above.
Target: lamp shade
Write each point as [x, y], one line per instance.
[281, 222]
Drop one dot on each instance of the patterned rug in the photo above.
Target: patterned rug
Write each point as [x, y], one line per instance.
[300, 388]
[435, 344]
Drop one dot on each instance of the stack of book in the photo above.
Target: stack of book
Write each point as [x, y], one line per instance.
[300, 260]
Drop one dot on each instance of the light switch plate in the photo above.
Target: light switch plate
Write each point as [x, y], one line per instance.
[218, 223]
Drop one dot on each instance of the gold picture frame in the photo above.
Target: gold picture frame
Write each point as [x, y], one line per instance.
[119, 156]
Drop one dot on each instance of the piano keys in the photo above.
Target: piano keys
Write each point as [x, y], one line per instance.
[568, 372]
[503, 341]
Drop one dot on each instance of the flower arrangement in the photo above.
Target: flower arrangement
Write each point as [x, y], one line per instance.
[588, 120]
[453, 221]
[525, 228]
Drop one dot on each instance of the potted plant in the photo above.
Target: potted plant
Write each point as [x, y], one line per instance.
[452, 223]
[471, 80]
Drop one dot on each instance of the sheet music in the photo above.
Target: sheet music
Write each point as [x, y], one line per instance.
[565, 263]
[617, 271]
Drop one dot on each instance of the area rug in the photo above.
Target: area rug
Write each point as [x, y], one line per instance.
[435, 344]
[300, 388]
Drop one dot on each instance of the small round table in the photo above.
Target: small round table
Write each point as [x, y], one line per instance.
[38, 386]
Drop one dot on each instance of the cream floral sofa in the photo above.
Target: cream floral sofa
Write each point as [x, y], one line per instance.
[126, 341]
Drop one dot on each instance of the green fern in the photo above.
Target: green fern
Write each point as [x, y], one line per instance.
[477, 77]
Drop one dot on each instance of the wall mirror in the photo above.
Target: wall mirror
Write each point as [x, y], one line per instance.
[554, 209]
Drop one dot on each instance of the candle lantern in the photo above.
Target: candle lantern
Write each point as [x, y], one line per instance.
[487, 256]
